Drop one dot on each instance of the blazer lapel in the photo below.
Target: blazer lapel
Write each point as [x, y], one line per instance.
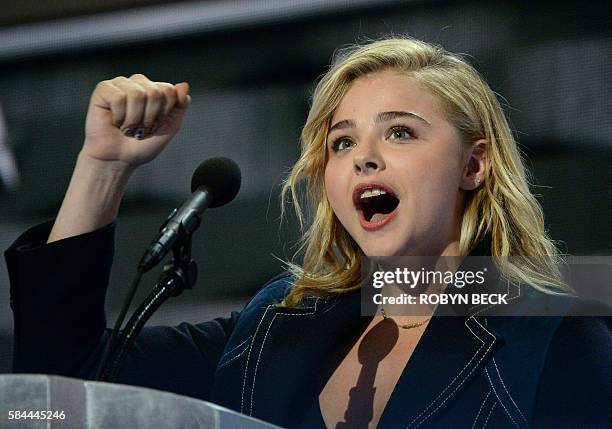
[452, 352]
[455, 348]
[294, 352]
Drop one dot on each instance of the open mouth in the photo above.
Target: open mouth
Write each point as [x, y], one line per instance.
[375, 203]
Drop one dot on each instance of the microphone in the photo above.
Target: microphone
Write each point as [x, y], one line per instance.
[214, 183]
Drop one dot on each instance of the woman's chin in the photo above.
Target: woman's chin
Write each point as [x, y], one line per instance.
[381, 250]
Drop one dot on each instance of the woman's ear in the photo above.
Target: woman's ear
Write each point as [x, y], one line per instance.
[475, 165]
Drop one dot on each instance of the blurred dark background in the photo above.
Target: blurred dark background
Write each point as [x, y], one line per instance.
[251, 66]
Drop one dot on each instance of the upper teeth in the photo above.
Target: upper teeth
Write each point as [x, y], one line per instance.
[372, 193]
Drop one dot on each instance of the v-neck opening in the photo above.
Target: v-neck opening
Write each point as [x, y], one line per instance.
[392, 397]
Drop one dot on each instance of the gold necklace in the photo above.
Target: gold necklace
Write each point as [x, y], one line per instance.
[407, 325]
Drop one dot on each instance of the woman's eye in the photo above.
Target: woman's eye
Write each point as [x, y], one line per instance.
[401, 133]
[341, 144]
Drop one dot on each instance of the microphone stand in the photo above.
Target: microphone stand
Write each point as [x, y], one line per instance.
[177, 276]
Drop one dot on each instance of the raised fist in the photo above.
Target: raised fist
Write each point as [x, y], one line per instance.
[131, 120]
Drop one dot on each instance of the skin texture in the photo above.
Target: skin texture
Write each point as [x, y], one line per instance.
[423, 161]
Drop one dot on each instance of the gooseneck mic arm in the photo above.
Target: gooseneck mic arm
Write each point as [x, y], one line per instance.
[214, 183]
[181, 274]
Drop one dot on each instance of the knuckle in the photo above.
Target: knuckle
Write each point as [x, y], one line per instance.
[138, 94]
[154, 94]
[119, 98]
[164, 86]
[138, 76]
[168, 91]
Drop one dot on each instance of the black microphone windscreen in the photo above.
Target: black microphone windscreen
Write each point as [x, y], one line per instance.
[221, 176]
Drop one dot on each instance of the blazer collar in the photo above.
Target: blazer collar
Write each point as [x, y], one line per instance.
[301, 349]
[297, 350]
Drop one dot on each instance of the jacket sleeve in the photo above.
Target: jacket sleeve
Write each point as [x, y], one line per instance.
[576, 384]
[57, 297]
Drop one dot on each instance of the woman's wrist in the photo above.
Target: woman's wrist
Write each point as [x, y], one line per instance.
[93, 196]
[109, 171]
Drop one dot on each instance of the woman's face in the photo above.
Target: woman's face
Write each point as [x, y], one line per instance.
[389, 135]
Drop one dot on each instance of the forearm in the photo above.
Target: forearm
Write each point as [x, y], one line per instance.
[93, 197]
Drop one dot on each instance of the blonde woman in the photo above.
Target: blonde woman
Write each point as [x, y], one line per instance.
[405, 152]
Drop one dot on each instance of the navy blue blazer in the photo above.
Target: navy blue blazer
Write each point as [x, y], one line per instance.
[269, 362]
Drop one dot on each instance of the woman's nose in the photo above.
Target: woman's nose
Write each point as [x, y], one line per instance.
[367, 159]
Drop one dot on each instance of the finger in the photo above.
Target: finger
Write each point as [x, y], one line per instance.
[176, 115]
[183, 101]
[155, 102]
[180, 108]
[109, 97]
[182, 91]
[170, 96]
[136, 100]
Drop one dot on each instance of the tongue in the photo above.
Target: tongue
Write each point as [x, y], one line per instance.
[378, 217]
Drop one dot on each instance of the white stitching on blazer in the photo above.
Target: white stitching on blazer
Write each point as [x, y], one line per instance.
[508, 392]
[496, 368]
[491, 382]
[222, 363]
[314, 309]
[460, 384]
[499, 399]
[518, 287]
[246, 366]
[490, 412]
[225, 354]
[234, 358]
[472, 316]
[480, 409]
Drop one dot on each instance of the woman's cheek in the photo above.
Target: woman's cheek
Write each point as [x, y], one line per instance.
[334, 186]
[340, 211]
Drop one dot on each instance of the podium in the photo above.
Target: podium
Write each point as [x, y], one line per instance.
[96, 405]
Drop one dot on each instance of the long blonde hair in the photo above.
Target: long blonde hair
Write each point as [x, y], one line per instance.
[502, 207]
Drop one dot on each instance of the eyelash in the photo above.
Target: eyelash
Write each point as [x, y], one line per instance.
[403, 128]
[336, 142]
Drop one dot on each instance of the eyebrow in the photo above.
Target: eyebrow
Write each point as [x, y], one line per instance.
[381, 117]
